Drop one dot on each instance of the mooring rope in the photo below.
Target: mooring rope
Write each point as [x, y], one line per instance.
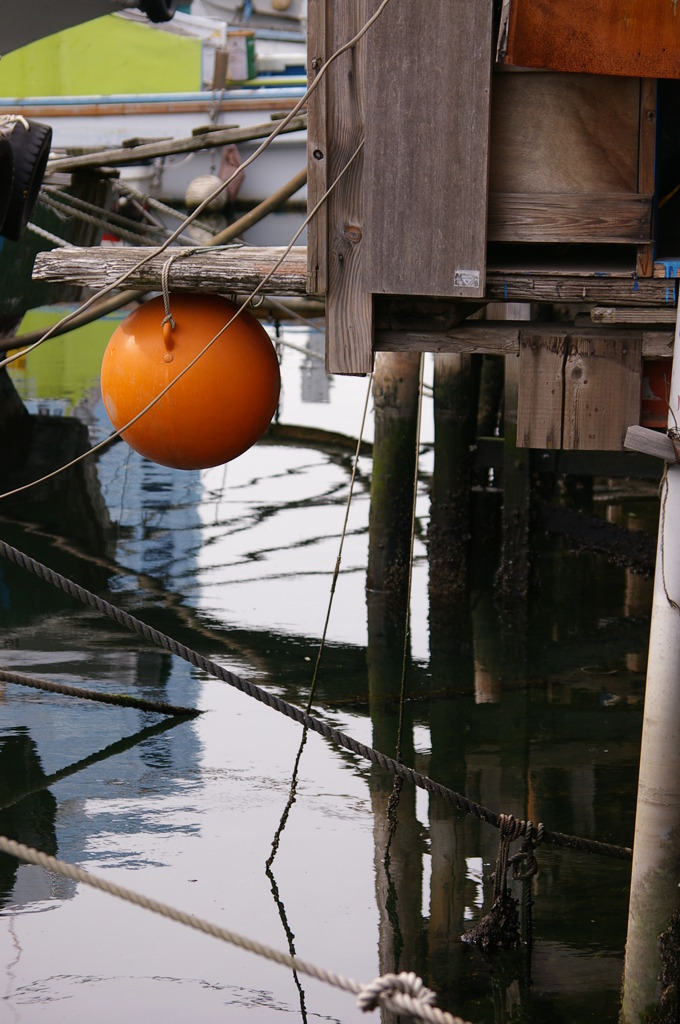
[121, 699]
[388, 764]
[403, 993]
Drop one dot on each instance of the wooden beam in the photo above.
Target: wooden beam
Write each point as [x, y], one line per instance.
[506, 337]
[349, 309]
[571, 218]
[317, 150]
[239, 269]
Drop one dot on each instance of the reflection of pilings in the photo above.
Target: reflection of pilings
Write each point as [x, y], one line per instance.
[451, 665]
[398, 855]
[395, 391]
[656, 849]
[513, 578]
[455, 413]
[636, 602]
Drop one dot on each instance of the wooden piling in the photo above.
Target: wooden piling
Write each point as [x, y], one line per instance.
[395, 394]
[456, 381]
[397, 833]
[513, 575]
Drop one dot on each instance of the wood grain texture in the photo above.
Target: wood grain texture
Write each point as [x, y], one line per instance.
[541, 390]
[607, 37]
[559, 133]
[317, 150]
[239, 269]
[575, 218]
[601, 392]
[646, 167]
[349, 307]
[426, 164]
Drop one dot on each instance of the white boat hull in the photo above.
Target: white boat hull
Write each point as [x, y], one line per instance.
[89, 123]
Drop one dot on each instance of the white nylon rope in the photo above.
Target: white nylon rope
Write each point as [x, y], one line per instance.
[403, 993]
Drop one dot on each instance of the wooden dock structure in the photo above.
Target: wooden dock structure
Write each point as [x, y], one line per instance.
[456, 158]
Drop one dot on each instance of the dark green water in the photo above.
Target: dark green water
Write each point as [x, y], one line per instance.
[536, 715]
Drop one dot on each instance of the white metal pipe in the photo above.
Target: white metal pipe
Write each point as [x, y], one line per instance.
[656, 850]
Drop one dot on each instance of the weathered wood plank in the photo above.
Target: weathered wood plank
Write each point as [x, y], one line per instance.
[503, 338]
[426, 175]
[238, 269]
[650, 442]
[349, 308]
[572, 218]
[647, 166]
[317, 150]
[541, 390]
[601, 392]
[589, 286]
[626, 315]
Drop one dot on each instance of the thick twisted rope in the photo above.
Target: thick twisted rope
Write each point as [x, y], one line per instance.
[399, 993]
[120, 699]
[388, 764]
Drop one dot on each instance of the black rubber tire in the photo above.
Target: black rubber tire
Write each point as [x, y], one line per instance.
[6, 176]
[30, 150]
[159, 10]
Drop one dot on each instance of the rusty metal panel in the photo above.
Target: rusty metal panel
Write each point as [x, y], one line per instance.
[638, 38]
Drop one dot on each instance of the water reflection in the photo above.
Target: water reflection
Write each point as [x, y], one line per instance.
[537, 717]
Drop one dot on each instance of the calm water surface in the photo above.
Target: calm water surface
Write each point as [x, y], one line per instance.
[237, 563]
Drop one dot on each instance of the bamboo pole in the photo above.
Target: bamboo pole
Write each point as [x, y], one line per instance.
[655, 878]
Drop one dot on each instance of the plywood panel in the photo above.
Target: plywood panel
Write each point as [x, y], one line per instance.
[606, 37]
[426, 160]
[555, 133]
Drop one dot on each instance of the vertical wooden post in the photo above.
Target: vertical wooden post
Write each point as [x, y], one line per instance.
[513, 577]
[456, 378]
[395, 390]
[397, 849]
[654, 895]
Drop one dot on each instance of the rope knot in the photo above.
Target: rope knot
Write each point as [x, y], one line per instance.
[389, 985]
[524, 863]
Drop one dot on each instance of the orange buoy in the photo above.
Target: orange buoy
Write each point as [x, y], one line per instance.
[218, 408]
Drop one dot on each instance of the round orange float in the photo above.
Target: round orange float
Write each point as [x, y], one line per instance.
[218, 408]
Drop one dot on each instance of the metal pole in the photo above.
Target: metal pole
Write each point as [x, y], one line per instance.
[655, 878]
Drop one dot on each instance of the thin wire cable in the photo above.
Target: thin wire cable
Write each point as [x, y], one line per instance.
[278, 128]
[404, 1001]
[322, 728]
[258, 288]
